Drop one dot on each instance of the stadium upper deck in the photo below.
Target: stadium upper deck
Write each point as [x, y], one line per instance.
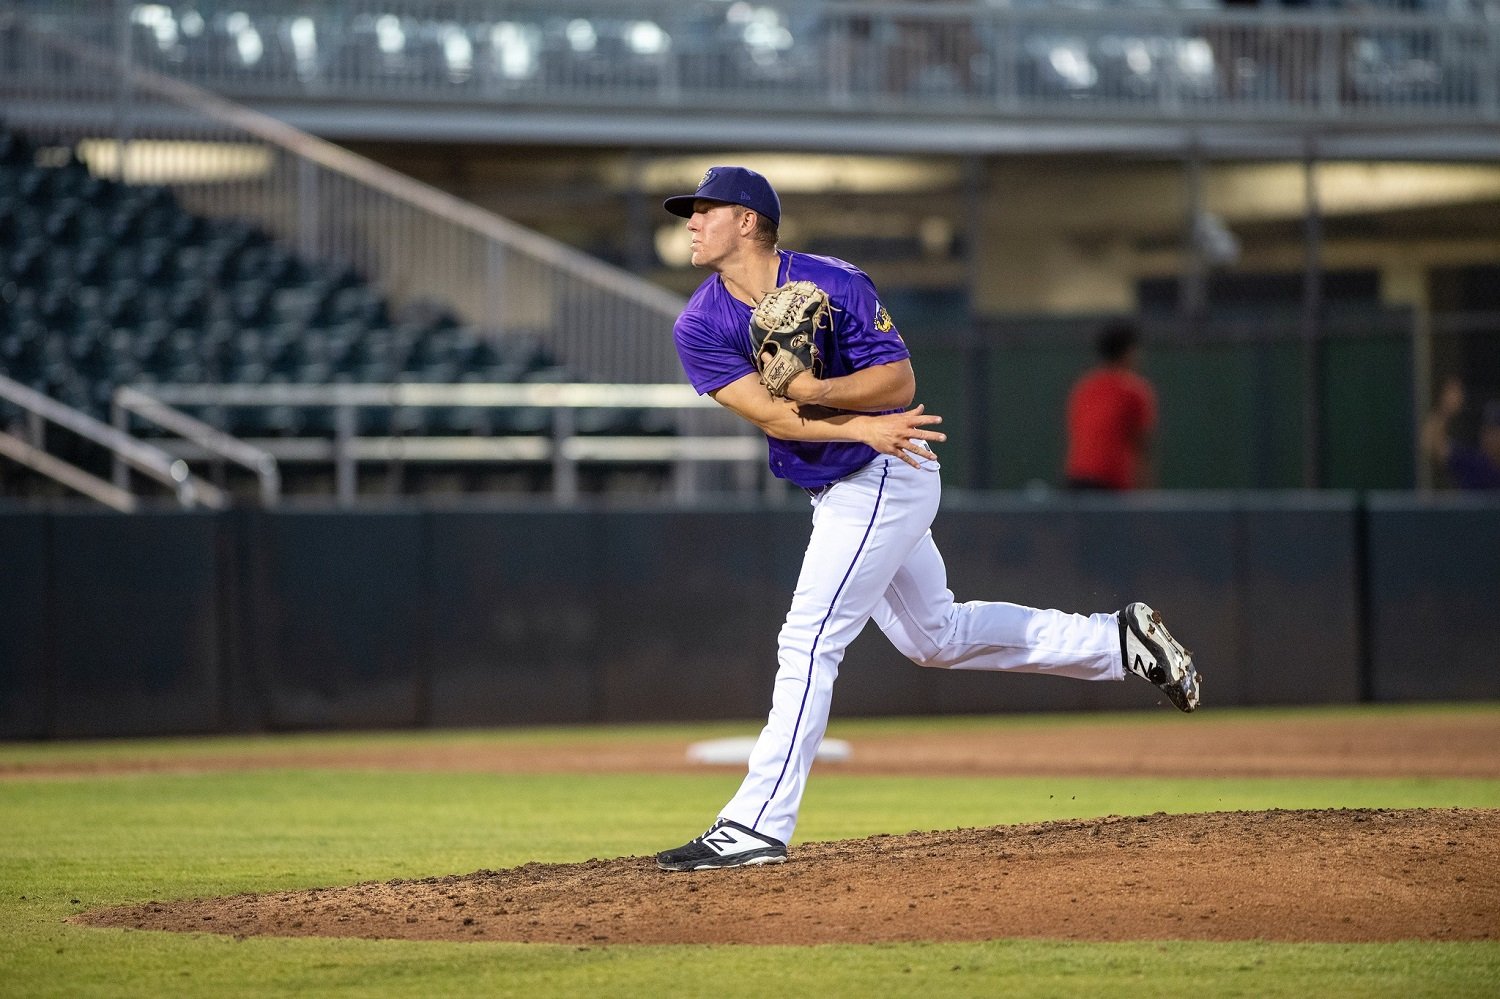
[1379, 79]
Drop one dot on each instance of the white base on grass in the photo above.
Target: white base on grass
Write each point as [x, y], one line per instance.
[736, 749]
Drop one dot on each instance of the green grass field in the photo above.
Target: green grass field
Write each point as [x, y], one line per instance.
[73, 843]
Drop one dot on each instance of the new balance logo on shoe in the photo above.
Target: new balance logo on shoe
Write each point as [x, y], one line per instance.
[719, 842]
[722, 842]
[1150, 652]
[727, 838]
[725, 844]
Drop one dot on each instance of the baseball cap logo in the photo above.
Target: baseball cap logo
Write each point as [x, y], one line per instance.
[731, 185]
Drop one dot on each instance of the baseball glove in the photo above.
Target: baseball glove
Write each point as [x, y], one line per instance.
[783, 329]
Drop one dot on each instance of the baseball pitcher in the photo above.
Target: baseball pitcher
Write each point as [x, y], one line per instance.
[800, 346]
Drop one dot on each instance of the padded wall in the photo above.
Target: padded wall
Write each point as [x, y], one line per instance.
[26, 687]
[300, 619]
[1434, 595]
[134, 622]
[338, 618]
[517, 618]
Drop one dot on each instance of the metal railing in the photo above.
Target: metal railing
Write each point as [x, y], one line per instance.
[171, 471]
[948, 59]
[208, 440]
[564, 448]
[411, 241]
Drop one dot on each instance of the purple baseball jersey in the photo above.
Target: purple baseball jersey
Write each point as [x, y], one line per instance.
[713, 342]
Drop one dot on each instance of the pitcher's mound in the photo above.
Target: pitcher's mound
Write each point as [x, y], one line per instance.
[1340, 875]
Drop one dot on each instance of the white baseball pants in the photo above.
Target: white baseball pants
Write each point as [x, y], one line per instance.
[871, 555]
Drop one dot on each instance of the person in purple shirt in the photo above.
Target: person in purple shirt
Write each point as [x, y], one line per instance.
[847, 437]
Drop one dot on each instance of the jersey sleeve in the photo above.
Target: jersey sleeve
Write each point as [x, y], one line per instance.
[708, 359]
[868, 334]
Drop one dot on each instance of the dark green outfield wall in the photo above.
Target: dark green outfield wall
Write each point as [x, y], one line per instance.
[247, 621]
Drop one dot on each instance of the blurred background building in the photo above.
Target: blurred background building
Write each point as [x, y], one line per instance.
[1298, 202]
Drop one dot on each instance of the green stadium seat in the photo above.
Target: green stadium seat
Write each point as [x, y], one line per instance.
[34, 184]
[114, 284]
[14, 149]
[62, 227]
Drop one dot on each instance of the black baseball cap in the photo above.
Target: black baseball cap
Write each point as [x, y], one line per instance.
[734, 186]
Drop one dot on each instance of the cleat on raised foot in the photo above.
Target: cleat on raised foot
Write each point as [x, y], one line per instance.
[725, 844]
[1149, 651]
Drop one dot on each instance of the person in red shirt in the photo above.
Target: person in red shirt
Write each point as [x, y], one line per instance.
[1111, 414]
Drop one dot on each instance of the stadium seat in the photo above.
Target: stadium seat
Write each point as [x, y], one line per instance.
[35, 184]
[27, 264]
[62, 227]
[104, 284]
[122, 302]
[14, 150]
[93, 262]
[98, 191]
[10, 225]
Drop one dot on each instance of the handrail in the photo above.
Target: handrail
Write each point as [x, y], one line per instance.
[564, 448]
[154, 462]
[69, 475]
[569, 395]
[211, 439]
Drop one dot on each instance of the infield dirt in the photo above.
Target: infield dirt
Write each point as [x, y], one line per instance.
[1329, 875]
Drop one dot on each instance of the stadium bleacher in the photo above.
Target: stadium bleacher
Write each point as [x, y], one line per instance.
[106, 284]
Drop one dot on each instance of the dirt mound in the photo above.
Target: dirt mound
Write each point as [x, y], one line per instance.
[1339, 875]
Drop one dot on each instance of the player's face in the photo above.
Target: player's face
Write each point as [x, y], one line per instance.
[715, 228]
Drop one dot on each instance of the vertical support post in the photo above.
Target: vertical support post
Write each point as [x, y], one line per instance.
[684, 482]
[1006, 62]
[838, 46]
[976, 387]
[125, 94]
[1421, 392]
[119, 472]
[1312, 332]
[684, 471]
[1330, 65]
[639, 249]
[345, 472]
[308, 210]
[270, 482]
[495, 296]
[1192, 287]
[564, 467]
[1489, 69]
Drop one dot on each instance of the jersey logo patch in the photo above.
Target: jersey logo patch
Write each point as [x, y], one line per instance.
[883, 321]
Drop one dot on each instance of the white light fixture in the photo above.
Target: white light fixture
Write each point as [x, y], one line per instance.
[581, 35]
[155, 161]
[515, 49]
[646, 38]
